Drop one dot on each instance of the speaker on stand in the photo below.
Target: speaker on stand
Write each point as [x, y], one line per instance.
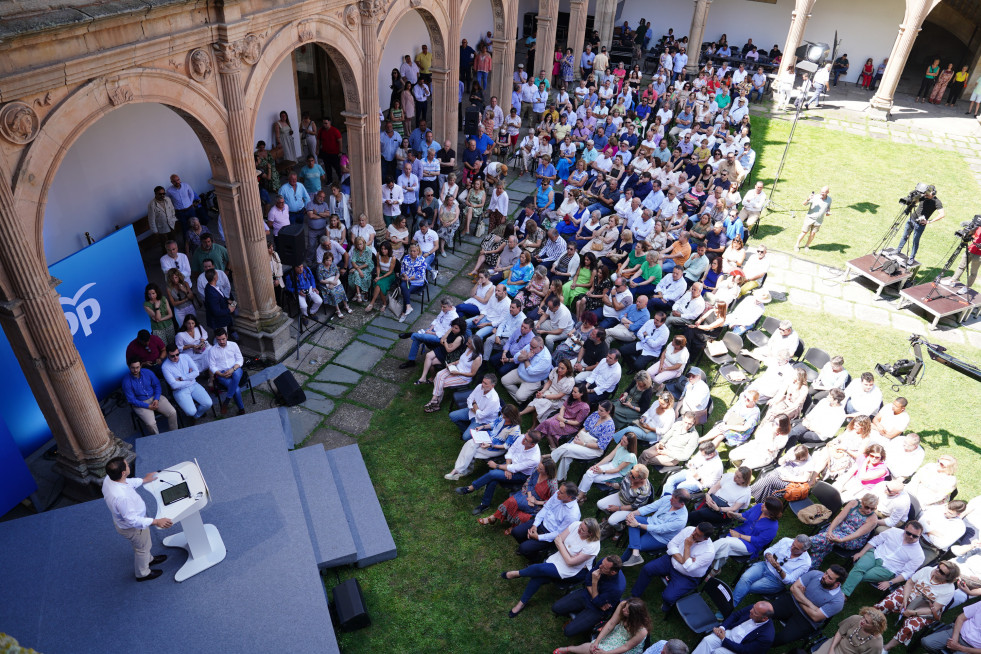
[348, 609]
[471, 118]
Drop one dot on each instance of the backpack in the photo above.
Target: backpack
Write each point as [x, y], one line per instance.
[795, 491]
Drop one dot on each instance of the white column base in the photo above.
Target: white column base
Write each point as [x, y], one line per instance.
[878, 113]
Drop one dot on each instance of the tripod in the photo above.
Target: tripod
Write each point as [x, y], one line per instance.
[300, 317]
[934, 293]
[879, 262]
[771, 206]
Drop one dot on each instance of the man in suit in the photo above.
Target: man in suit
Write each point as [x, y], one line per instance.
[747, 631]
[217, 305]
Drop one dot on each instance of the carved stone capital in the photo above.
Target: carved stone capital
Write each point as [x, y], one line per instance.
[371, 9]
[118, 93]
[19, 123]
[228, 56]
[250, 48]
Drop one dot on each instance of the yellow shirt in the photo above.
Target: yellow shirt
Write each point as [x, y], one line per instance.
[961, 76]
[425, 61]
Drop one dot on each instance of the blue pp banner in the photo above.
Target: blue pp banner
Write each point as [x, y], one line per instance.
[102, 297]
[16, 481]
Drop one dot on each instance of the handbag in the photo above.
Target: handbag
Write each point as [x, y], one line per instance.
[395, 301]
[815, 514]
[795, 491]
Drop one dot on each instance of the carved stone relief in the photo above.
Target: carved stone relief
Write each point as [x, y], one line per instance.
[19, 123]
[250, 49]
[199, 66]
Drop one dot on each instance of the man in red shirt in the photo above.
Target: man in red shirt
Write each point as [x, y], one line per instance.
[149, 348]
[971, 262]
[330, 149]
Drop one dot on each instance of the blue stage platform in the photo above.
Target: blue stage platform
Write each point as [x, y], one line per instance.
[67, 576]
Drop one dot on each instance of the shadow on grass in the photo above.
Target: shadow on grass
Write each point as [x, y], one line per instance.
[864, 207]
[764, 230]
[941, 438]
[830, 247]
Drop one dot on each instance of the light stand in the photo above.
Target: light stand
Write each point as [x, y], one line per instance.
[814, 55]
[300, 316]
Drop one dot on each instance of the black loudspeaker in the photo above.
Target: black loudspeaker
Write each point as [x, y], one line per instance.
[292, 245]
[471, 118]
[350, 613]
[289, 390]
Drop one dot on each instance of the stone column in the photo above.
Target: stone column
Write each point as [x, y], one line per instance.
[603, 21]
[440, 120]
[502, 77]
[695, 35]
[35, 325]
[259, 321]
[451, 102]
[577, 29]
[548, 17]
[916, 13]
[798, 21]
[366, 126]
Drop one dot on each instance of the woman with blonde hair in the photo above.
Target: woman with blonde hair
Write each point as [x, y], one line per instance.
[858, 634]
[553, 393]
[933, 483]
[359, 276]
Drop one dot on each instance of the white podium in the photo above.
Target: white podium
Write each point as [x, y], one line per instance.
[181, 492]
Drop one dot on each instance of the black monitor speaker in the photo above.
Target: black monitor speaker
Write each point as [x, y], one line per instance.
[291, 244]
[348, 607]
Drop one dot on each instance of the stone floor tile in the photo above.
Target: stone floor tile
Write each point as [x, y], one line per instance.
[311, 358]
[873, 315]
[839, 308]
[382, 333]
[803, 298]
[388, 368]
[798, 280]
[337, 374]
[374, 392]
[359, 356]
[335, 339]
[303, 422]
[330, 390]
[956, 336]
[383, 343]
[330, 439]
[318, 403]
[908, 322]
[350, 418]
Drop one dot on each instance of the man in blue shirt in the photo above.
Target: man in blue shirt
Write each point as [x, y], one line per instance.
[296, 197]
[505, 360]
[653, 525]
[418, 136]
[390, 143]
[467, 55]
[313, 176]
[808, 603]
[186, 202]
[600, 140]
[142, 390]
[473, 162]
[534, 365]
[595, 601]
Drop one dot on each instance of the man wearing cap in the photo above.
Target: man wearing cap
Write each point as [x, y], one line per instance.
[520, 76]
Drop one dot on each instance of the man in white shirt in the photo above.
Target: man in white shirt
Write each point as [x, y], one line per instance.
[603, 379]
[749, 630]
[559, 511]
[775, 378]
[889, 558]
[753, 203]
[181, 374]
[225, 362]
[651, 339]
[520, 461]
[863, 397]
[741, 110]
[785, 339]
[894, 503]
[392, 198]
[783, 563]
[497, 206]
[891, 421]
[555, 323]
[943, 525]
[702, 471]
[493, 313]
[431, 336]
[695, 395]
[668, 290]
[483, 406]
[832, 375]
[821, 423]
[615, 303]
[223, 283]
[427, 240]
[129, 515]
[687, 559]
[904, 456]
[687, 308]
[739, 75]
[175, 259]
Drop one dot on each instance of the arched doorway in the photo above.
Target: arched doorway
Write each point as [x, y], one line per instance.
[949, 33]
[197, 112]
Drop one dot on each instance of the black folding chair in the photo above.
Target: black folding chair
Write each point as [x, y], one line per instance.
[697, 614]
[825, 494]
[760, 337]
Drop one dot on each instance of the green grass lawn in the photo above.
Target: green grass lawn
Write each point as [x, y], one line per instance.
[443, 593]
[867, 177]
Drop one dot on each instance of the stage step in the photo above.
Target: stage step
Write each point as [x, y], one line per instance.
[333, 542]
[372, 536]
[267, 374]
[284, 419]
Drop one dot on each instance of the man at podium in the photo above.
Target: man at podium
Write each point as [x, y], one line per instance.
[129, 515]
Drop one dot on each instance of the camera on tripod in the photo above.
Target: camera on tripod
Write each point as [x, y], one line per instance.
[968, 227]
[905, 371]
[917, 193]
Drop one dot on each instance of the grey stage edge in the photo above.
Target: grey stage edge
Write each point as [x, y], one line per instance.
[364, 514]
[333, 544]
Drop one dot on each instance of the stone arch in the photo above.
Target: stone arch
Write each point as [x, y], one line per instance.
[437, 24]
[334, 37]
[39, 161]
[499, 11]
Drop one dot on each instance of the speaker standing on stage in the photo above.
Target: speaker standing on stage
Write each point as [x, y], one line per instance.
[129, 515]
[927, 205]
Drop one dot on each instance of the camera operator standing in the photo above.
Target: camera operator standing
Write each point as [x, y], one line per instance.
[972, 257]
[925, 207]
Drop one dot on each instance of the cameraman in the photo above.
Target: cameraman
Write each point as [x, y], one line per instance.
[971, 261]
[919, 218]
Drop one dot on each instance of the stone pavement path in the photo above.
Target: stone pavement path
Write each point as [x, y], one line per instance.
[349, 372]
[833, 291]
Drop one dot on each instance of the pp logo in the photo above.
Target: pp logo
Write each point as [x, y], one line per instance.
[85, 314]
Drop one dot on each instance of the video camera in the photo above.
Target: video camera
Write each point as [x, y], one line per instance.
[917, 193]
[968, 227]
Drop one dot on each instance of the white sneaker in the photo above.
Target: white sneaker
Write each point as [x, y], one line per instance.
[405, 314]
[452, 476]
[948, 281]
